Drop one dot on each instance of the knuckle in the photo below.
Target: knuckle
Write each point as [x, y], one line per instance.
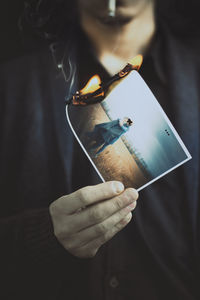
[54, 208]
[122, 213]
[105, 192]
[107, 236]
[60, 234]
[65, 243]
[101, 228]
[120, 225]
[62, 228]
[82, 194]
[78, 253]
[92, 253]
[127, 197]
[125, 221]
[95, 214]
[57, 234]
[86, 253]
[119, 203]
[69, 245]
[103, 239]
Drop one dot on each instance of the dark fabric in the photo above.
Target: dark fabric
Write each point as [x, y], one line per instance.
[157, 256]
[36, 159]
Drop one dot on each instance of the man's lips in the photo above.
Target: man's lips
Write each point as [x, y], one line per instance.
[116, 20]
[123, 14]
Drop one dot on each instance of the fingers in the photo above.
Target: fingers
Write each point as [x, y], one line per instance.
[94, 232]
[107, 209]
[90, 249]
[96, 214]
[90, 195]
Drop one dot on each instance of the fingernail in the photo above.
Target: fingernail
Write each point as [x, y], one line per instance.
[118, 187]
[134, 193]
[131, 206]
[126, 219]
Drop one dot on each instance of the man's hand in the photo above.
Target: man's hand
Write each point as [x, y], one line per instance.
[84, 220]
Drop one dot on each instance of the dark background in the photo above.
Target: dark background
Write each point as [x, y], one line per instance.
[10, 39]
[183, 16]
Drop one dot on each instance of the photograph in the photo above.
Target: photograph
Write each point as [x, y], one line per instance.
[128, 137]
[100, 150]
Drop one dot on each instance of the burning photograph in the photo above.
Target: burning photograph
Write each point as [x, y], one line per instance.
[128, 136]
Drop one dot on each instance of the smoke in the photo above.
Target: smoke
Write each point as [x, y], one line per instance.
[71, 76]
[69, 70]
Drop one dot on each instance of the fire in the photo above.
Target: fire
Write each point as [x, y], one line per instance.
[94, 91]
[92, 85]
[94, 82]
[136, 62]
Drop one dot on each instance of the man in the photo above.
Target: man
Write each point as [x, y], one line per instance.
[108, 133]
[51, 218]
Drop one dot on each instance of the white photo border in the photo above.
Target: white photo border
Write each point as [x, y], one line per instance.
[171, 127]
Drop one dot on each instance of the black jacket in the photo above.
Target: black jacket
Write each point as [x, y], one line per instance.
[157, 256]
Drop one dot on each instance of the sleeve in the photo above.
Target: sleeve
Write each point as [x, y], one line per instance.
[34, 265]
[30, 237]
[125, 129]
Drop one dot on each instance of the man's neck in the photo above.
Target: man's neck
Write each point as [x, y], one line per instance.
[116, 45]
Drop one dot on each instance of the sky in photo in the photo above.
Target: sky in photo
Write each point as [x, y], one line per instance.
[152, 134]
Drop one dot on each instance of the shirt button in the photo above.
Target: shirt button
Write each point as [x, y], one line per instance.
[113, 282]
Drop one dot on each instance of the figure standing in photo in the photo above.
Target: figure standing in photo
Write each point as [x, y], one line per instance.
[108, 133]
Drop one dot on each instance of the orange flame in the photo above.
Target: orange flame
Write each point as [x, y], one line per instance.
[92, 85]
[136, 61]
[94, 82]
